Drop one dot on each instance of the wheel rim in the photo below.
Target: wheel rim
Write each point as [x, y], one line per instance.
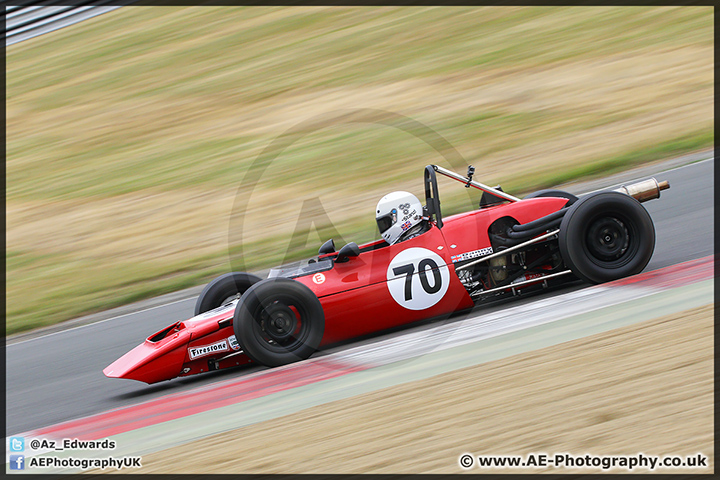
[611, 240]
[278, 322]
[281, 324]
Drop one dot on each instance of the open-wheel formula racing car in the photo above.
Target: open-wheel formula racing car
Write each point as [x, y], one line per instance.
[505, 246]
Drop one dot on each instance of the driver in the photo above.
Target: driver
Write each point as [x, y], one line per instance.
[399, 216]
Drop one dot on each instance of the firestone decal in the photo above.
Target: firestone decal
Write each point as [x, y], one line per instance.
[196, 352]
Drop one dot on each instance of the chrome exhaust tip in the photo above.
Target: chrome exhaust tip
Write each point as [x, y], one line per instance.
[645, 190]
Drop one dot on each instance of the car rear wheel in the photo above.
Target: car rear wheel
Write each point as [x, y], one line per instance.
[223, 290]
[279, 321]
[606, 236]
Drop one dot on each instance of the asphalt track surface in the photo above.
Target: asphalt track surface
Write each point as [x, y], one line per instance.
[58, 377]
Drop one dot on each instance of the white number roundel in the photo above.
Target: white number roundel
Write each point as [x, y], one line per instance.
[417, 278]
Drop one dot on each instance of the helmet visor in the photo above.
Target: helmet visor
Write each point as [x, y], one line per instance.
[386, 221]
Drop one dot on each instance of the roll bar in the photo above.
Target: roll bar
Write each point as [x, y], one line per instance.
[432, 198]
[473, 183]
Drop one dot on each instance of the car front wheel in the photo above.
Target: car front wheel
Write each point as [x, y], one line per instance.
[279, 321]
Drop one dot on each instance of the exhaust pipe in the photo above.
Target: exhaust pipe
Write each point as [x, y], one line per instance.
[645, 190]
[640, 191]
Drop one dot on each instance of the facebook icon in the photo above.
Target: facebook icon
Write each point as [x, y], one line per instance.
[17, 462]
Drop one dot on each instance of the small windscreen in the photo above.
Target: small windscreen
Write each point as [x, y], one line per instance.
[301, 268]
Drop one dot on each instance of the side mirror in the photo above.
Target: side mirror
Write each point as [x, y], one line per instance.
[327, 247]
[349, 250]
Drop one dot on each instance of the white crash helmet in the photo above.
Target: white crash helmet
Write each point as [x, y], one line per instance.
[396, 213]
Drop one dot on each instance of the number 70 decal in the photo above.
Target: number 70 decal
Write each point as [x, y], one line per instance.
[417, 278]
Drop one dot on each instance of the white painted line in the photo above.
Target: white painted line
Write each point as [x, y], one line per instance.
[97, 323]
[644, 177]
[709, 159]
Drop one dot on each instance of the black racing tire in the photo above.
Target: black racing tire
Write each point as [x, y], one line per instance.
[606, 236]
[223, 288]
[554, 193]
[279, 321]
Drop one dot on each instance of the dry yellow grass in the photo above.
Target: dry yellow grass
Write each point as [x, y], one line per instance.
[643, 388]
[126, 148]
[138, 224]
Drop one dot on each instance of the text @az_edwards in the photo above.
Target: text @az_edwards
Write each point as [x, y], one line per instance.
[71, 444]
[566, 460]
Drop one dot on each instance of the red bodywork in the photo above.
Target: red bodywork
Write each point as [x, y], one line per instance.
[355, 296]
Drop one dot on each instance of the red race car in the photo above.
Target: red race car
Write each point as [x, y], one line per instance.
[425, 266]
